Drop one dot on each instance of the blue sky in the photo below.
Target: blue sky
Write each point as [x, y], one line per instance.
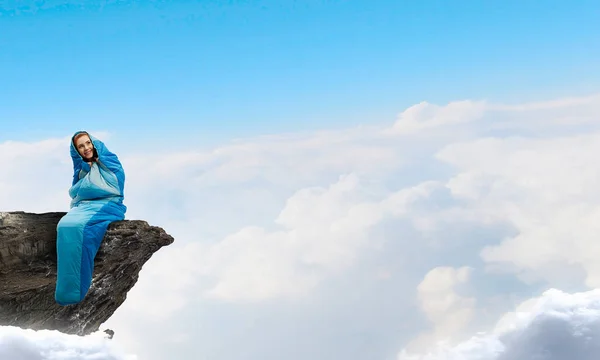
[222, 69]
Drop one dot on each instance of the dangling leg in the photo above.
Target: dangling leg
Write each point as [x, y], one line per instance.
[93, 234]
[69, 247]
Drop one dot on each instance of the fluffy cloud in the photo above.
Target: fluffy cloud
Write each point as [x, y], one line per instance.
[20, 183]
[556, 326]
[441, 301]
[546, 189]
[323, 232]
[16, 343]
[424, 116]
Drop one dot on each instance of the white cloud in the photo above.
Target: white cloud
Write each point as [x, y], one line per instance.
[556, 326]
[23, 186]
[546, 189]
[281, 159]
[25, 344]
[425, 116]
[324, 230]
[571, 103]
[440, 299]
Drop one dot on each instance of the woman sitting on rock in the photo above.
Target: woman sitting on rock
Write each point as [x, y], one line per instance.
[97, 200]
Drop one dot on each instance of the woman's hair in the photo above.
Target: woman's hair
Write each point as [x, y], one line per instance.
[80, 134]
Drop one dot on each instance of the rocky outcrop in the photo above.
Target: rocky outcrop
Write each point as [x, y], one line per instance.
[28, 272]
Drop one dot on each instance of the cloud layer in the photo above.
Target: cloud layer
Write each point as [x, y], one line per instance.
[442, 220]
[16, 343]
[555, 326]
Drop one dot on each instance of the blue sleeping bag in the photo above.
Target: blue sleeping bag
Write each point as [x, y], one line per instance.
[97, 200]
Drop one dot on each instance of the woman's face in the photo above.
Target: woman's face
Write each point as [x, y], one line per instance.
[84, 146]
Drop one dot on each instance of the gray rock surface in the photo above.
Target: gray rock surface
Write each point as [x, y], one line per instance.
[28, 272]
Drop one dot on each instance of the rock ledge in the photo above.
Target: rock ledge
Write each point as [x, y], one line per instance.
[28, 272]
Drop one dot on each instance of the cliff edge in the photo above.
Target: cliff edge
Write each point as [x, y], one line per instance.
[28, 272]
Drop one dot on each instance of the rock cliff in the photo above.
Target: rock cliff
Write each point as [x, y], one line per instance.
[28, 272]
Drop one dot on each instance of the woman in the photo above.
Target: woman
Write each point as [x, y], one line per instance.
[96, 201]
